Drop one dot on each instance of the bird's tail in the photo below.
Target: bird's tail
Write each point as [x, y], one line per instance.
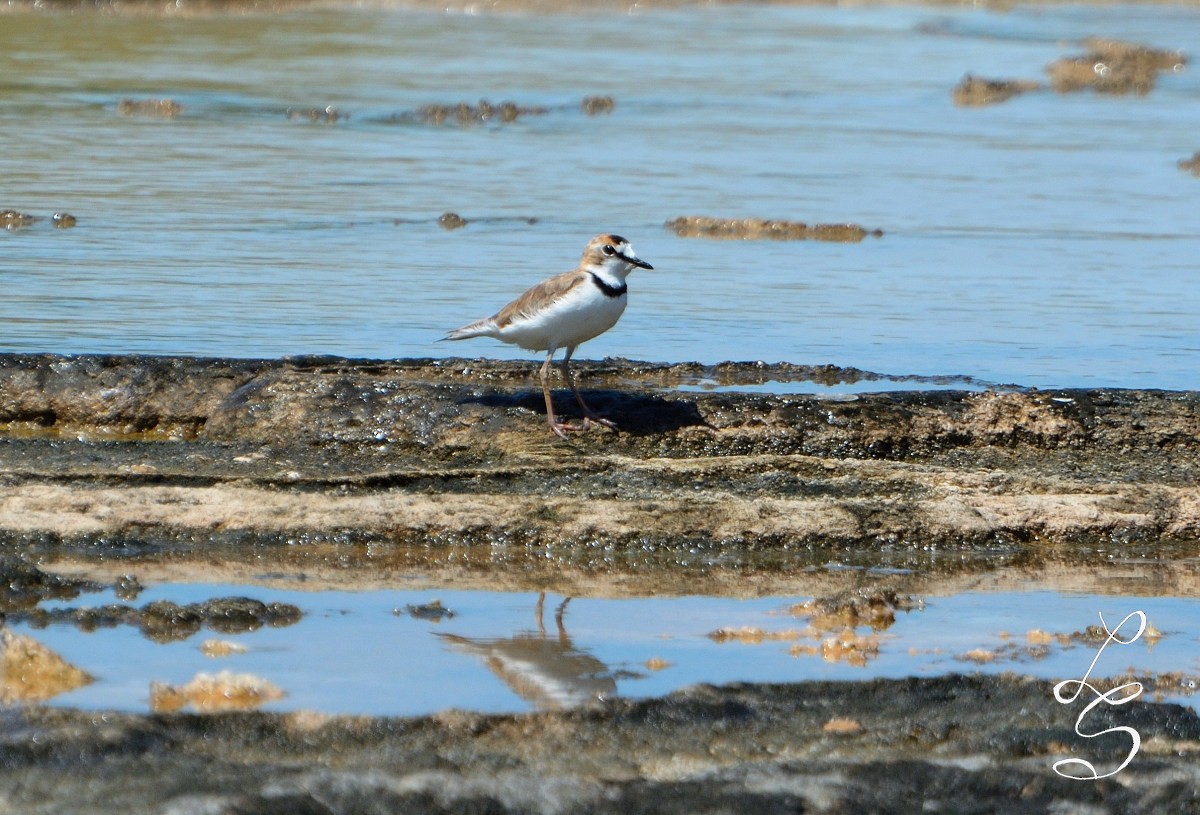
[479, 328]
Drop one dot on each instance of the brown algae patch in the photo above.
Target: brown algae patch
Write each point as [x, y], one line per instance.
[975, 91]
[847, 646]
[874, 607]
[12, 220]
[327, 115]
[699, 226]
[1109, 66]
[597, 105]
[210, 693]
[752, 635]
[1114, 67]
[31, 672]
[161, 108]
[451, 221]
[464, 114]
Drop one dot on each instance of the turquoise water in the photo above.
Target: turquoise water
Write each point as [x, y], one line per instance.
[1047, 241]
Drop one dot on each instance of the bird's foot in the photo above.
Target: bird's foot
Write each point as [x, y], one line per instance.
[592, 417]
[561, 429]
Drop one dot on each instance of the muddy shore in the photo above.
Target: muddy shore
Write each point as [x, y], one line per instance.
[356, 473]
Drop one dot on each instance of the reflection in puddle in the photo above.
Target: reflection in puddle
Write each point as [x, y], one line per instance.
[31, 672]
[875, 383]
[401, 652]
[549, 672]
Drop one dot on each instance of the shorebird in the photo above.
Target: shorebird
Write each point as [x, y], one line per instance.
[564, 311]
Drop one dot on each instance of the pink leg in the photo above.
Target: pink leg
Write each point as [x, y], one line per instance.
[558, 427]
[588, 413]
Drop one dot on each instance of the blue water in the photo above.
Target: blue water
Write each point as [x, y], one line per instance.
[361, 653]
[1047, 241]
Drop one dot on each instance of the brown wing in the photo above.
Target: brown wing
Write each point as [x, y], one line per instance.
[539, 296]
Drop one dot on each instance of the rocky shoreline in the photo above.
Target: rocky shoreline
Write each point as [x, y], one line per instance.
[350, 473]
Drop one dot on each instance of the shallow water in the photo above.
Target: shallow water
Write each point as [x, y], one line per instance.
[363, 653]
[1048, 241]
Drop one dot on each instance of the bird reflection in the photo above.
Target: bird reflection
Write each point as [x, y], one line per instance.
[547, 671]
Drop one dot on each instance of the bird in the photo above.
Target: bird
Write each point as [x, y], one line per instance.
[563, 311]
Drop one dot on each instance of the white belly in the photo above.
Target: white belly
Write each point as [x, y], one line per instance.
[584, 312]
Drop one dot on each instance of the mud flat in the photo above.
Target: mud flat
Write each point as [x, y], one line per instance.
[353, 474]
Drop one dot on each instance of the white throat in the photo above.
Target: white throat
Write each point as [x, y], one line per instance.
[612, 271]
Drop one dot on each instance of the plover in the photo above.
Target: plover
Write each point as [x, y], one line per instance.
[564, 311]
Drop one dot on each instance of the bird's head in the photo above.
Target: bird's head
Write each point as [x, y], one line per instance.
[612, 255]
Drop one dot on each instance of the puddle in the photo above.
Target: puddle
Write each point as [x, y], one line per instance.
[397, 652]
[843, 390]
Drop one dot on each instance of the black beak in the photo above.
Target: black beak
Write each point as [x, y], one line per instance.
[635, 261]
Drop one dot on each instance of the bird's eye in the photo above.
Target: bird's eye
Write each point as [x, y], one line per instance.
[608, 250]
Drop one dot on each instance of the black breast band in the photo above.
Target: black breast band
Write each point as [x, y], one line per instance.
[609, 291]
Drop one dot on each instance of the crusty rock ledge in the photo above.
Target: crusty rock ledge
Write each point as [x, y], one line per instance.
[428, 456]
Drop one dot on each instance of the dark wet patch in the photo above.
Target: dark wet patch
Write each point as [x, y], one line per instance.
[975, 91]
[696, 226]
[327, 115]
[597, 105]
[484, 112]
[464, 113]
[872, 606]
[157, 108]
[165, 621]
[451, 221]
[24, 586]
[433, 610]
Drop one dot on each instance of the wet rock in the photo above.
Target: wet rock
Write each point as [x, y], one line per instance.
[597, 105]
[976, 91]
[463, 114]
[872, 606]
[128, 587]
[132, 397]
[694, 226]
[166, 621]
[1113, 67]
[321, 115]
[433, 610]
[23, 586]
[451, 221]
[12, 220]
[884, 745]
[161, 108]
[1109, 66]
[455, 451]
